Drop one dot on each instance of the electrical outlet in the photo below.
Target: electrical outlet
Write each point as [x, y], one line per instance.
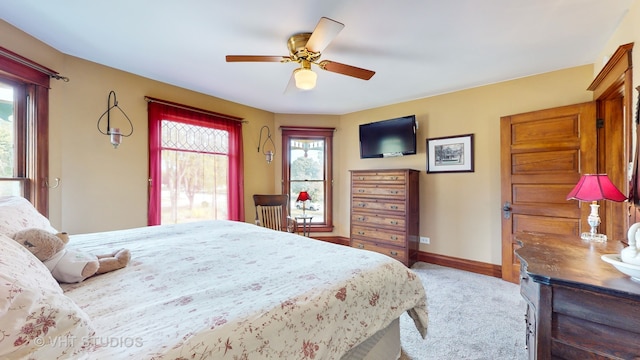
[424, 240]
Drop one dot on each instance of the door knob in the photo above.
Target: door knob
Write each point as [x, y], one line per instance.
[506, 210]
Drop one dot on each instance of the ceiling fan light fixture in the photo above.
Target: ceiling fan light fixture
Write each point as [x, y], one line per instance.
[305, 49]
[305, 79]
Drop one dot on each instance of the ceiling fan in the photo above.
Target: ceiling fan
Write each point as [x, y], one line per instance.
[305, 49]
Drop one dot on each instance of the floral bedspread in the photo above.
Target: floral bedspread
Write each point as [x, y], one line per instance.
[232, 290]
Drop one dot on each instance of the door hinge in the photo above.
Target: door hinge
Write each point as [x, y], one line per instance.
[599, 123]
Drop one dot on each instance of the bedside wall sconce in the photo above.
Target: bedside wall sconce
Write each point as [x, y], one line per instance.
[268, 154]
[115, 136]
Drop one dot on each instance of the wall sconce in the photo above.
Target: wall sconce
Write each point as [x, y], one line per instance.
[594, 188]
[114, 133]
[268, 153]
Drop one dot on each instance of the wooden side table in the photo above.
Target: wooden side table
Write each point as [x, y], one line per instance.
[578, 306]
[306, 224]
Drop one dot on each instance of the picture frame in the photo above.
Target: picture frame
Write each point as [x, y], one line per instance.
[450, 154]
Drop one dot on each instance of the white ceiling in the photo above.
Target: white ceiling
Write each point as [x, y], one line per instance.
[418, 48]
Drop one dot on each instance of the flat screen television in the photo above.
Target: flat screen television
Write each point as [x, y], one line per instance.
[387, 138]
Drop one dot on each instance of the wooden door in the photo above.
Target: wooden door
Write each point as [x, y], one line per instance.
[543, 154]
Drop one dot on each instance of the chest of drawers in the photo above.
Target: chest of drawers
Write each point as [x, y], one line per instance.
[385, 212]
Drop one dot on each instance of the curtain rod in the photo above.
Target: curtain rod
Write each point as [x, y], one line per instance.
[17, 58]
[190, 108]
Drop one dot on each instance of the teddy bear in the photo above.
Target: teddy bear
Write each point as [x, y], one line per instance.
[68, 265]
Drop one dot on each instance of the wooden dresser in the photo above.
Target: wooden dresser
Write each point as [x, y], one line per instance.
[385, 212]
[578, 306]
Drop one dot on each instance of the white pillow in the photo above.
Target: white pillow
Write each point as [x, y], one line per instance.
[37, 319]
[17, 213]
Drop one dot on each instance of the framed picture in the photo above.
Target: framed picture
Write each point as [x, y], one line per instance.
[450, 154]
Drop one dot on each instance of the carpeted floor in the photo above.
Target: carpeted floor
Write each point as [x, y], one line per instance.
[471, 316]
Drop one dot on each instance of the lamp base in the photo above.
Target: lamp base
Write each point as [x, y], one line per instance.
[588, 236]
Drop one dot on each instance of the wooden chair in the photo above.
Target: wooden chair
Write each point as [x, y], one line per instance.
[272, 212]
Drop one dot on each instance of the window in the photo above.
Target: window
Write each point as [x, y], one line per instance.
[24, 116]
[195, 165]
[307, 165]
[11, 184]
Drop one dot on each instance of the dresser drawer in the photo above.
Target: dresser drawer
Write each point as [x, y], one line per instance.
[399, 254]
[578, 314]
[364, 219]
[377, 178]
[379, 234]
[387, 192]
[529, 289]
[397, 207]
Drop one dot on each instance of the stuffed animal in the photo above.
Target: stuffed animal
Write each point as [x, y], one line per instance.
[68, 265]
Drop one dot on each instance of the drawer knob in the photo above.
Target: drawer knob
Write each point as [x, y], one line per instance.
[394, 191]
[393, 253]
[362, 205]
[360, 246]
[360, 232]
[394, 207]
[394, 237]
[360, 190]
[394, 222]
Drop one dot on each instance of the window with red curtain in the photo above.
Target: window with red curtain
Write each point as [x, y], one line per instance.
[24, 128]
[195, 164]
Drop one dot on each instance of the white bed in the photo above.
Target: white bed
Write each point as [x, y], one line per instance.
[228, 290]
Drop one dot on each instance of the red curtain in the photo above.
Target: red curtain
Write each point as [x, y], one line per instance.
[160, 111]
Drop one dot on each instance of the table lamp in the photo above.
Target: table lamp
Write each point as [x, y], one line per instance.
[595, 187]
[303, 196]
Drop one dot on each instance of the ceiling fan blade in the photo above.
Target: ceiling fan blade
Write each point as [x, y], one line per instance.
[257, 58]
[291, 85]
[323, 34]
[348, 70]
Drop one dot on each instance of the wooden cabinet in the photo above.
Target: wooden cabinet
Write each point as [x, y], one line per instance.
[385, 212]
[578, 306]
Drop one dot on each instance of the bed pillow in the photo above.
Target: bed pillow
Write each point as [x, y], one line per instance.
[37, 319]
[17, 213]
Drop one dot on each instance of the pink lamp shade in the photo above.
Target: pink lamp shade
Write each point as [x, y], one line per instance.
[303, 196]
[594, 187]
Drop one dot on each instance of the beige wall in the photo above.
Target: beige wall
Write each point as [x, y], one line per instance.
[103, 188]
[627, 32]
[460, 212]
